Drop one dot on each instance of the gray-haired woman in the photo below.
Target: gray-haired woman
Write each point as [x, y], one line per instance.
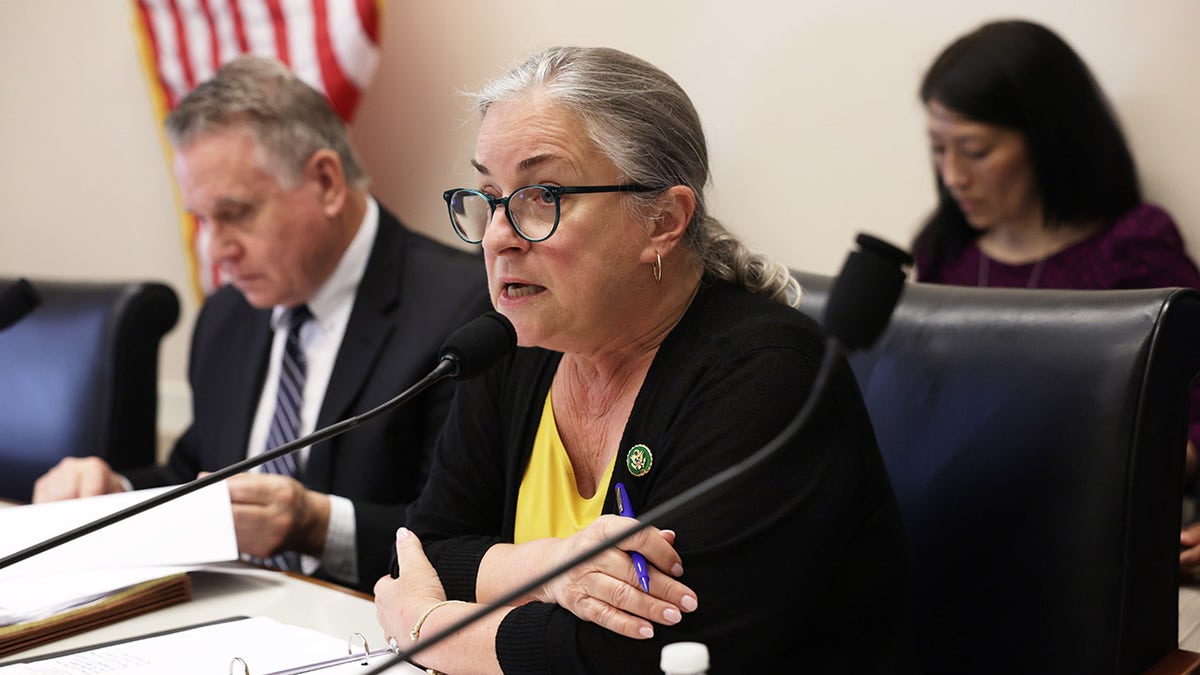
[656, 350]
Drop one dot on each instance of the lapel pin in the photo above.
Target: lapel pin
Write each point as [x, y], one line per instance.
[639, 460]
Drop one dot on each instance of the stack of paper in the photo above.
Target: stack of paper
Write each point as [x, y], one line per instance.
[147, 551]
[109, 608]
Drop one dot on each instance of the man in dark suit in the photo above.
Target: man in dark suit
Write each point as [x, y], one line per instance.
[266, 167]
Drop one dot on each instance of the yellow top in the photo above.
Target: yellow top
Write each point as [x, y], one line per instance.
[548, 503]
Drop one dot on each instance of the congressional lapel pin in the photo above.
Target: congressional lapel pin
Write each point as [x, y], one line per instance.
[639, 460]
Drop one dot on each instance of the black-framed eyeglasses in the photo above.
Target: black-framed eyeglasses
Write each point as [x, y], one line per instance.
[533, 210]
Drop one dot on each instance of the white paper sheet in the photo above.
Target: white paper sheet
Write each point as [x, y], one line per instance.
[263, 644]
[194, 529]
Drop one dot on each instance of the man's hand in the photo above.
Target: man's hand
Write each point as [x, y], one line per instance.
[273, 513]
[76, 477]
[1189, 552]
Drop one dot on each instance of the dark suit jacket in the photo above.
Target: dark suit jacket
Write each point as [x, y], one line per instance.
[413, 293]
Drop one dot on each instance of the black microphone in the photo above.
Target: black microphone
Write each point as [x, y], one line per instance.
[864, 294]
[16, 301]
[469, 351]
[473, 351]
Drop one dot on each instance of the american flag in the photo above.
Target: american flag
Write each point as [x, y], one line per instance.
[333, 45]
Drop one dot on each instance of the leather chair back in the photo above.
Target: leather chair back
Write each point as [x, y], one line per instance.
[1035, 440]
[79, 376]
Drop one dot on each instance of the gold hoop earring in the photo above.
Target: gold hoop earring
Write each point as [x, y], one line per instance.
[656, 267]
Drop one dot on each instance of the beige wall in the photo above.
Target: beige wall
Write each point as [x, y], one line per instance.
[814, 128]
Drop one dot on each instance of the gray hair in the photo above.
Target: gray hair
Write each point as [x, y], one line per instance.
[644, 122]
[290, 119]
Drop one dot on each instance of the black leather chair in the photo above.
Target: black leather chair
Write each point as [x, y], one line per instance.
[79, 376]
[1035, 442]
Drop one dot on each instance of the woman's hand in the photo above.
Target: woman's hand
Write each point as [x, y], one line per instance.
[605, 590]
[400, 601]
[415, 601]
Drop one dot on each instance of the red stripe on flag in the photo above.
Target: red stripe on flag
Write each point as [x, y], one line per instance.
[185, 59]
[210, 275]
[341, 92]
[212, 271]
[368, 16]
[214, 42]
[152, 38]
[279, 22]
[239, 28]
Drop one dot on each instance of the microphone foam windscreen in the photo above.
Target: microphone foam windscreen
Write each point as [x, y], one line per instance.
[479, 344]
[865, 293]
[16, 301]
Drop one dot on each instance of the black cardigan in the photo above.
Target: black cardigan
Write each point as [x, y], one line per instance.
[802, 563]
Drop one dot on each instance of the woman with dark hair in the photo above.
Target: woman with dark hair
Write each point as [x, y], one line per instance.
[1036, 185]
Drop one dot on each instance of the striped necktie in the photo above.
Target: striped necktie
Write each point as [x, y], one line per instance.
[285, 425]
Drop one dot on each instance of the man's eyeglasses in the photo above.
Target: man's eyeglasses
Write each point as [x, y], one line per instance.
[532, 210]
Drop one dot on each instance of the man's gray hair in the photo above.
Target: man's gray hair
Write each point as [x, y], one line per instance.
[290, 119]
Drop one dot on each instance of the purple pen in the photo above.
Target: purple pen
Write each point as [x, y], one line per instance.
[624, 508]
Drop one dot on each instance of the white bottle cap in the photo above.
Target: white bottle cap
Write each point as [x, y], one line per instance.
[684, 657]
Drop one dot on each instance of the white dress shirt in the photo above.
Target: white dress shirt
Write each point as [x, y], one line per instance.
[320, 339]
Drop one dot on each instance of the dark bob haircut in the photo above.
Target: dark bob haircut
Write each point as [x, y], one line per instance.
[1021, 75]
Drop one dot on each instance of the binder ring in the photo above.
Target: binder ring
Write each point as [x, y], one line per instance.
[350, 647]
[236, 660]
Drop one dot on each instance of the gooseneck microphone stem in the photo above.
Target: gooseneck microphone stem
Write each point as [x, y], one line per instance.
[687, 499]
[448, 366]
